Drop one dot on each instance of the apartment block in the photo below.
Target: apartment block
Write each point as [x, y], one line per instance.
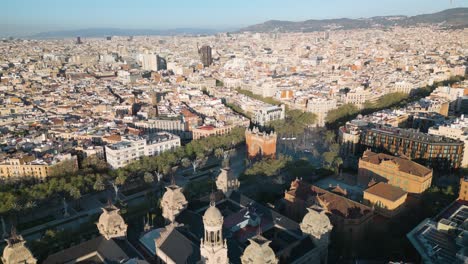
[133, 148]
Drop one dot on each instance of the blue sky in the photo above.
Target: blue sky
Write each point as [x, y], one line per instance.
[20, 17]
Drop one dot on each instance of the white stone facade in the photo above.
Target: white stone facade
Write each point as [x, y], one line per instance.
[213, 249]
[265, 115]
[131, 149]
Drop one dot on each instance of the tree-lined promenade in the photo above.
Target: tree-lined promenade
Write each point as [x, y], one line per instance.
[295, 121]
[339, 116]
[96, 176]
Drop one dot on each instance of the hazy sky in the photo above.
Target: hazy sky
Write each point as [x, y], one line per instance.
[22, 17]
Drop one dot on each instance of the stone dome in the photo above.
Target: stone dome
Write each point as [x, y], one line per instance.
[173, 193]
[173, 202]
[212, 216]
[17, 252]
[259, 252]
[227, 182]
[111, 224]
[316, 223]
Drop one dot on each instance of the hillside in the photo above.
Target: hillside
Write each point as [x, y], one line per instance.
[451, 18]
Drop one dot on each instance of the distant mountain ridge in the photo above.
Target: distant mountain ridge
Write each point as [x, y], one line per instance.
[102, 32]
[450, 18]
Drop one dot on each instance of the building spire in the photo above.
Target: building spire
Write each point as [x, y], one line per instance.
[173, 182]
[259, 229]
[14, 237]
[226, 159]
[109, 202]
[212, 198]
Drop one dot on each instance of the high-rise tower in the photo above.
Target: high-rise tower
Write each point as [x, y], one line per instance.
[205, 55]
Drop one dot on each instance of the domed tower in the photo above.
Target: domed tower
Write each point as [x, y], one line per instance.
[173, 202]
[226, 181]
[317, 225]
[213, 249]
[111, 224]
[16, 251]
[259, 252]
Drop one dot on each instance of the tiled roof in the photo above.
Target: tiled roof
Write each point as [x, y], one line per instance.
[404, 165]
[386, 191]
[107, 249]
[337, 205]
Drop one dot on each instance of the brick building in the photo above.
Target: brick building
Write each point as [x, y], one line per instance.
[349, 218]
[463, 194]
[387, 199]
[260, 144]
[399, 172]
[432, 151]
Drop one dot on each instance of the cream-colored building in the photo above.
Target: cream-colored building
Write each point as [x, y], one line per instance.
[28, 166]
[387, 200]
[263, 115]
[359, 96]
[400, 172]
[458, 129]
[207, 131]
[403, 87]
[133, 148]
[320, 107]
[348, 137]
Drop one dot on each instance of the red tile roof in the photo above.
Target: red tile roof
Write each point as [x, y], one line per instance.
[386, 191]
[337, 205]
[404, 165]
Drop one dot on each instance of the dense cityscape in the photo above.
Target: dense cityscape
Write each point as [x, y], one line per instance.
[343, 145]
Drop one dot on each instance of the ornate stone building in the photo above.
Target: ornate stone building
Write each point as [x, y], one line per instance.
[259, 252]
[16, 251]
[226, 181]
[197, 235]
[111, 224]
[260, 144]
[111, 246]
[173, 202]
[318, 226]
[213, 249]
[349, 218]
